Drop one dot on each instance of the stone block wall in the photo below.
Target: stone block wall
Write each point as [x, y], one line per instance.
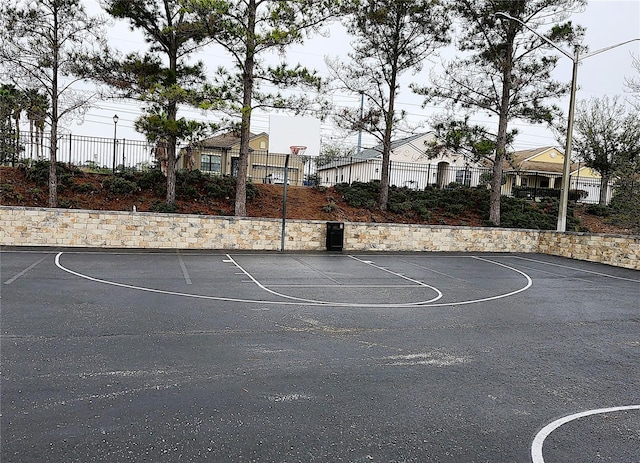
[403, 237]
[618, 250]
[145, 230]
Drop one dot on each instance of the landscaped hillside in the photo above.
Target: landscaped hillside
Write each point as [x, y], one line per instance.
[201, 194]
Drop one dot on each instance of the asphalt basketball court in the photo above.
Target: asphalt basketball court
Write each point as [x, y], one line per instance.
[285, 357]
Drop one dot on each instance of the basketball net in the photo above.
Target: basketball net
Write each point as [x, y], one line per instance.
[298, 150]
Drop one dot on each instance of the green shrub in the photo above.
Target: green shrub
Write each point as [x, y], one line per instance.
[39, 173]
[329, 207]
[360, 194]
[152, 179]
[219, 187]
[455, 210]
[69, 204]
[252, 191]
[598, 210]
[160, 206]
[119, 186]
[188, 183]
[84, 188]
[400, 207]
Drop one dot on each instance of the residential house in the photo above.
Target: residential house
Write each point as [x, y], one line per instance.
[538, 173]
[220, 155]
[409, 166]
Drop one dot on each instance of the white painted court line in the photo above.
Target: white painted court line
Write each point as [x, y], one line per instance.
[538, 441]
[418, 282]
[422, 267]
[577, 269]
[18, 275]
[185, 273]
[298, 301]
[340, 304]
[215, 298]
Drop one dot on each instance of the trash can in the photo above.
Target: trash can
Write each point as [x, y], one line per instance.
[335, 236]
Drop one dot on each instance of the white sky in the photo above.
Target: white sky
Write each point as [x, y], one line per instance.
[607, 22]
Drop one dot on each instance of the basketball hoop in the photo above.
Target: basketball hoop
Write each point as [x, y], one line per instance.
[298, 150]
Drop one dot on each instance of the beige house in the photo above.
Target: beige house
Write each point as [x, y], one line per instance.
[220, 155]
[409, 166]
[538, 172]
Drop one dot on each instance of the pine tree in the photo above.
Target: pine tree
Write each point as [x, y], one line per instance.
[248, 30]
[41, 46]
[391, 37]
[505, 70]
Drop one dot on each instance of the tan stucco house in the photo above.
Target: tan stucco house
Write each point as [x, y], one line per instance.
[219, 155]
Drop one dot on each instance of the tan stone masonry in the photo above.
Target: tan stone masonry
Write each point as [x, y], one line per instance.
[144, 230]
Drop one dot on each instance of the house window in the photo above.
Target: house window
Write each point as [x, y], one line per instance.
[211, 163]
[544, 183]
[463, 177]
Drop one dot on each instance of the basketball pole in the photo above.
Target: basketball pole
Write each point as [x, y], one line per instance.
[284, 202]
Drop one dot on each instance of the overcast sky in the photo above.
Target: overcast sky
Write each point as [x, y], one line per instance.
[608, 22]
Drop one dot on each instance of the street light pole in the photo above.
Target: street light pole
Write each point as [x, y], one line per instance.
[563, 207]
[566, 167]
[115, 128]
[360, 125]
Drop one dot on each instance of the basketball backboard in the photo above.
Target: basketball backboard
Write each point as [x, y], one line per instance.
[288, 131]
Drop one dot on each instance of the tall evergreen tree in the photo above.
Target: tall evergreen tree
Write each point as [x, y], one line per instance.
[37, 108]
[505, 70]
[41, 45]
[10, 98]
[163, 77]
[391, 37]
[248, 30]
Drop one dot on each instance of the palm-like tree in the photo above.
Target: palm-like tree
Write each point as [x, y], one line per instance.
[37, 105]
[10, 112]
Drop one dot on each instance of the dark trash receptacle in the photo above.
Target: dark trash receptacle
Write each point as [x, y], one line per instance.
[335, 236]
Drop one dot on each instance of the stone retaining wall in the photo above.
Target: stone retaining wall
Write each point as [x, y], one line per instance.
[145, 230]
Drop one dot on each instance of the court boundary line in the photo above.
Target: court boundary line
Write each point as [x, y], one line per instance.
[578, 269]
[538, 440]
[334, 304]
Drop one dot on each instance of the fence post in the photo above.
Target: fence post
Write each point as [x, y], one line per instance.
[69, 150]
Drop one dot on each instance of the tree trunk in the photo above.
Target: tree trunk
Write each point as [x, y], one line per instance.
[171, 170]
[495, 194]
[172, 114]
[53, 174]
[245, 125]
[53, 161]
[383, 200]
[604, 187]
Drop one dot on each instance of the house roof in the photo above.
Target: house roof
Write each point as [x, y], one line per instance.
[226, 140]
[371, 153]
[525, 161]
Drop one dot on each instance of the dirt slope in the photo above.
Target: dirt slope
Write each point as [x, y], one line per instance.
[323, 204]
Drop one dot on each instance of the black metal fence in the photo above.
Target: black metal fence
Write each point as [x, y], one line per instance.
[531, 185]
[415, 176]
[115, 154]
[81, 150]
